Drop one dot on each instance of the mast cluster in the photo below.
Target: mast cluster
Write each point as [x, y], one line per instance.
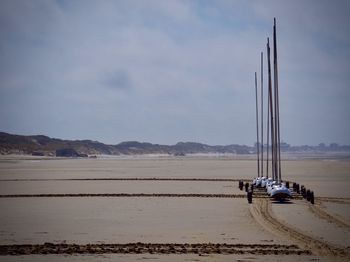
[273, 119]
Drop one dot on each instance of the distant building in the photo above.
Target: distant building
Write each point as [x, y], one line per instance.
[66, 152]
[38, 153]
[284, 146]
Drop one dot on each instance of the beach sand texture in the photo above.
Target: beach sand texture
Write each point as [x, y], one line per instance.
[195, 211]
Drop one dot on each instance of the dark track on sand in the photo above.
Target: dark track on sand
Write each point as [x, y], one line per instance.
[153, 248]
[262, 213]
[129, 179]
[127, 195]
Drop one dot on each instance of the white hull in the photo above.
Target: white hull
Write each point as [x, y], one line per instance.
[280, 192]
[270, 185]
[258, 181]
[263, 182]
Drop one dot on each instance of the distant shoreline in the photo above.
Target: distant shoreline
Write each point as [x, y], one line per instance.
[41, 145]
[333, 156]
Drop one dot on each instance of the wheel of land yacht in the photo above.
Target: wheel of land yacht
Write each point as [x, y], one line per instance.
[250, 197]
[240, 184]
[312, 198]
[308, 195]
[302, 191]
[246, 186]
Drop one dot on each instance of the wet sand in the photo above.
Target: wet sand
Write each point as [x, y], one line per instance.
[164, 220]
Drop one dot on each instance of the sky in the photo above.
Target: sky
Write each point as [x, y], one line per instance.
[164, 71]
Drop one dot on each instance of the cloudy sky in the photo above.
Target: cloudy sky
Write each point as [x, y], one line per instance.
[164, 71]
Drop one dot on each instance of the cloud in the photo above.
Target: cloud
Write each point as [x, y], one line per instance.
[165, 71]
[116, 80]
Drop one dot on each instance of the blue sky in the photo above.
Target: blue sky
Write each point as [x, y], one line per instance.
[164, 71]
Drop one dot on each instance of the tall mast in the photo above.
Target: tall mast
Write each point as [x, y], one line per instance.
[270, 101]
[278, 152]
[267, 132]
[257, 123]
[275, 162]
[262, 114]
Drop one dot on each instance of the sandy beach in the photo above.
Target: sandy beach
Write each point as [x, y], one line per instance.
[173, 209]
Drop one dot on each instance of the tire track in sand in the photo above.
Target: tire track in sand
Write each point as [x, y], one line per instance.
[338, 200]
[128, 195]
[262, 213]
[321, 213]
[129, 179]
[152, 248]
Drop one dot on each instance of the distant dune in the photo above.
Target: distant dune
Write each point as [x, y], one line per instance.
[44, 145]
[40, 144]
